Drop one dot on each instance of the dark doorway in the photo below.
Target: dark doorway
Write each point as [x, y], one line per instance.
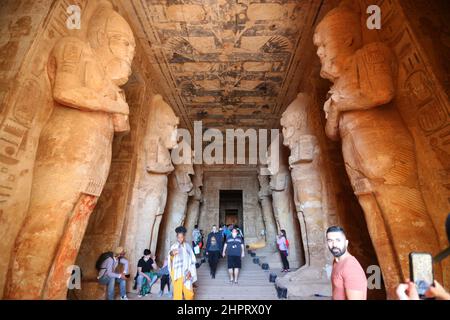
[231, 207]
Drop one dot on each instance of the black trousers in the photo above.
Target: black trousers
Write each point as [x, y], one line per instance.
[213, 260]
[165, 279]
[284, 259]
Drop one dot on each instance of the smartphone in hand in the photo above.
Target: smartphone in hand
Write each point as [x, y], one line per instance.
[421, 271]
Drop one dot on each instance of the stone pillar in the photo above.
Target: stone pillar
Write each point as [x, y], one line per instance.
[194, 202]
[283, 205]
[305, 167]
[149, 198]
[179, 189]
[378, 149]
[74, 153]
[265, 200]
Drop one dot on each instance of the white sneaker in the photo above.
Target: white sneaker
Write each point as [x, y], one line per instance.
[124, 298]
[139, 295]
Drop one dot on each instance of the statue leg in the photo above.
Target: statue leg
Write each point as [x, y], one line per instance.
[148, 208]
[313, 232]
[56, 287]
[38, 240]
[385, 181]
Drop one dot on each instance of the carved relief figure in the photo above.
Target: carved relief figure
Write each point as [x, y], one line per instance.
[74, 153]
[377, 147]
[283, 206]
[307, 184]
[179, 189]
[160, 137]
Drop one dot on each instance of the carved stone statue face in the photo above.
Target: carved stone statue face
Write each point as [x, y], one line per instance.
[164, 122]
[337, 37]
[112, 39]
[264, 184]
[197, 180]
[293, 120]
[278, 168]
[278, 180]
[183, 173]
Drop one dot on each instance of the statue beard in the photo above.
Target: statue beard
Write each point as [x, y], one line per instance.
[118, 70]
[331, 70]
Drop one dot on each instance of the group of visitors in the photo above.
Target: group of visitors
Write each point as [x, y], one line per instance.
[227, 241]
[348, 279]
[113, 268]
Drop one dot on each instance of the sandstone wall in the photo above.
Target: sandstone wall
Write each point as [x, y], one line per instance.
[28, 31]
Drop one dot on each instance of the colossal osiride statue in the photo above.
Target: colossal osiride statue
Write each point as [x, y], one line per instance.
[74, 153]
[304, 163]
[179, 189]
[283, 204]
[194, 202]
[378, 149]
[265, 200]
[149, 199]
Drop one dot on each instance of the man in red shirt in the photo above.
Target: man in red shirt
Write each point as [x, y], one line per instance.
[348, 279]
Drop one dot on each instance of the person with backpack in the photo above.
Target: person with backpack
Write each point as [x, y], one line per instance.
[146, 276]
[283, 248]
[106, 265]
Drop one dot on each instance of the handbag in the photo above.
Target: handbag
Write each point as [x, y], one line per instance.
[196, 249]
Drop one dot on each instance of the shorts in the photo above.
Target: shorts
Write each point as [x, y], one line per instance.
[234, 262]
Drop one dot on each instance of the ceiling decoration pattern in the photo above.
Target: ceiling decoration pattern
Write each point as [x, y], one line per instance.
[229, 62]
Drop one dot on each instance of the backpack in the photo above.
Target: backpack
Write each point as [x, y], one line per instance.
[102, 258]
[287, 243]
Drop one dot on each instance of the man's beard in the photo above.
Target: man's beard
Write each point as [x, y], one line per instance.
[336, 252]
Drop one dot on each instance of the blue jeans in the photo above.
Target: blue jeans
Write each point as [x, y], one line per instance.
[110, 287]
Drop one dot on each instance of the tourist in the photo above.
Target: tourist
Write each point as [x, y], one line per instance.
[146, 276]
[122, 261]
[181, 265]
[213, 248]
[226, 232]
[283, 244]
[196, 236]
[347, 278]
[165, 279]
[106, 265]
[234, 249]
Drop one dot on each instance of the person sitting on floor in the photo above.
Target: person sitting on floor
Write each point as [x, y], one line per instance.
[146, 276]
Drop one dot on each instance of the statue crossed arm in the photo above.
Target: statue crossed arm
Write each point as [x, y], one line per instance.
[372, 67]
[85, 89]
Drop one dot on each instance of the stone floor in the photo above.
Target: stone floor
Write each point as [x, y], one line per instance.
[253, 284]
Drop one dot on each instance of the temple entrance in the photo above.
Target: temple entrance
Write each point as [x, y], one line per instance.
[231, 207]
[231, 216]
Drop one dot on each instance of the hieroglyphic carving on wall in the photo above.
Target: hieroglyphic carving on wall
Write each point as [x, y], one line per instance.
[353, 120]
[25, 102]
[424, 106]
